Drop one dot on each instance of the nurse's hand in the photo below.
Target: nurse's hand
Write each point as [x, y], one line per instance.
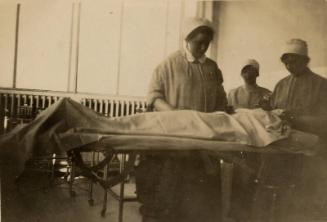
[264, 104]
[287, 116]
[230, 110]
[161, 105]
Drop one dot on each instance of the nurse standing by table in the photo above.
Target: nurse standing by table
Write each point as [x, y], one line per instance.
[184, 187]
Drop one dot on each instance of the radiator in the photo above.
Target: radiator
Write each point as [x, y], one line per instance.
[13, 104]
[26, 104]
[114, 107]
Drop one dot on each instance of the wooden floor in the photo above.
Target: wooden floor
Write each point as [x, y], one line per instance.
[38, 201]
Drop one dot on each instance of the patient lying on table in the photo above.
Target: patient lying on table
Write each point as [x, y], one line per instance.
[257, 128]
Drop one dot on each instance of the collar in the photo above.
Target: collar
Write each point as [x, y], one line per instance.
[250, 88]
[305, 72]
[190, 58]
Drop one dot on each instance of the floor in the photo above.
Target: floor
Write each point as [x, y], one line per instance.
[35, 200]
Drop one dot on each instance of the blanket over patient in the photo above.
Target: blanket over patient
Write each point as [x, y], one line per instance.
[257, 128]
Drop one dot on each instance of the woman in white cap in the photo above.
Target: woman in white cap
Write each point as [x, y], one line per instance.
[249, 96]
[187, 79]
[302, 95]
[179, 187]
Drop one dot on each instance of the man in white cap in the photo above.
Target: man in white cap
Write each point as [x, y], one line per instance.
[302, 95]
[250, 94]
[178, 187]
[247, 96]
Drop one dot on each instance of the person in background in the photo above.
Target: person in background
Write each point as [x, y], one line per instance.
[248, 96]
[184, 186]
[295, 179]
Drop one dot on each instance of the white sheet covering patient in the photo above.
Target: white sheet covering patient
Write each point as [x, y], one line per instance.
[251, 127]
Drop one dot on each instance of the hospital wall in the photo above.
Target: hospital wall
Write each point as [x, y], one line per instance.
[87, 46]
[258, 29]
[111, 47]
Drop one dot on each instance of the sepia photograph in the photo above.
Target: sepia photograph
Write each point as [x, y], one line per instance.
[163, 110]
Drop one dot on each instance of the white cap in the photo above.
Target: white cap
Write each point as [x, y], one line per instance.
[251, 62]
[296, 46]
[192, 23]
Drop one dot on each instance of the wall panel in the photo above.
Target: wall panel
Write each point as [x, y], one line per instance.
[99, 46]
[43, 46]
[143, 44]
[7, 42]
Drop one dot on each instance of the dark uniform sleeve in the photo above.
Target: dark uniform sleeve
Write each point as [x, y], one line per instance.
[274, 96]
[319, 121]
[220, 75]
[221, 97]
[322, 101]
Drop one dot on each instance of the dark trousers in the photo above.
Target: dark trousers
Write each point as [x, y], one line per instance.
[176, 188]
